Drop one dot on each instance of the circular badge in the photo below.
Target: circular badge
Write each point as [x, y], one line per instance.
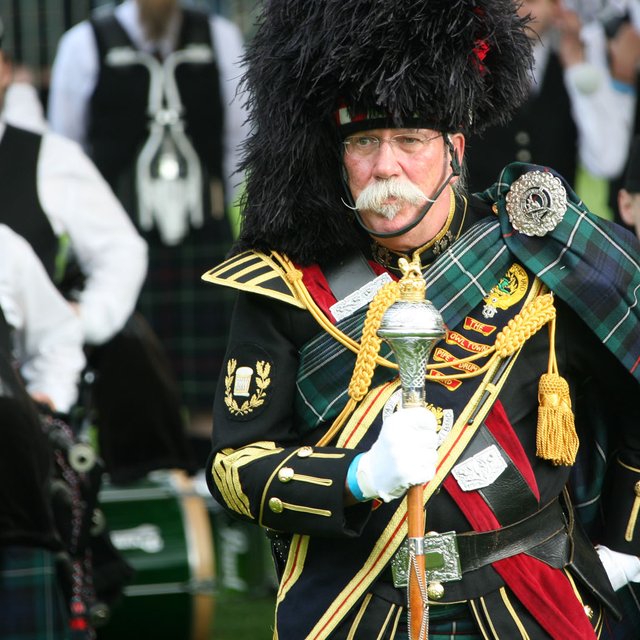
[536, 203]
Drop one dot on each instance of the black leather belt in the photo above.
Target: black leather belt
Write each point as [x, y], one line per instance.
[544, 535]
[478, 549]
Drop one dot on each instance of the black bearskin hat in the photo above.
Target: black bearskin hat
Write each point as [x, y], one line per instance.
[453, 65]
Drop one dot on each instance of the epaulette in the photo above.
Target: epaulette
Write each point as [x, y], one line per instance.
[258, 273]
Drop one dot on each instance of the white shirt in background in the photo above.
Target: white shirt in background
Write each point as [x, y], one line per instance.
[110, 252]
[47, 333]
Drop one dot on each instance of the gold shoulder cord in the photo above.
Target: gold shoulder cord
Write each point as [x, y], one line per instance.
[294, 276]
[530, 320]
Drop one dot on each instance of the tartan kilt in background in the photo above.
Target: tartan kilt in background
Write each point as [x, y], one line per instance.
[190, 317]
[32, 605]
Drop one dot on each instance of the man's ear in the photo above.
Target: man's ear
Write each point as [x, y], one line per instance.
[624, 206]
[457, 141]
[6, 72]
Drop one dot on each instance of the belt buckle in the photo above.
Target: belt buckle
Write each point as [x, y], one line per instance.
[441, 557]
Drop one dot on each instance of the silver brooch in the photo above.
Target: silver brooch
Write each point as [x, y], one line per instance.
[536, 203]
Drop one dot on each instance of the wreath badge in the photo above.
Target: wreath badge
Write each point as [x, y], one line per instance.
[237, 384]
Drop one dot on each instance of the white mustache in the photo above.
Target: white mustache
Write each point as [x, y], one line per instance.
[374, 197]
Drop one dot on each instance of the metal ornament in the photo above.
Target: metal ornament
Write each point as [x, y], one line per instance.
[169, 176]
[411, 326]
[536, 203]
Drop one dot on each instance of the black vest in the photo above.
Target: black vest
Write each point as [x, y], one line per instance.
[118, 122]
[21, 209]
[542, 131]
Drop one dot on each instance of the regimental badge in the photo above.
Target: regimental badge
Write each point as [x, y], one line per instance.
[536, 203]
[509, 291]
[440, 246]
[245, 388]
[480, 470]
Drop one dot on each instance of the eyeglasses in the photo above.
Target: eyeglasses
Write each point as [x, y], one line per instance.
[363, 146]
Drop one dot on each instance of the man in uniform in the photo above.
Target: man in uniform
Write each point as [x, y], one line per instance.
[360, 112]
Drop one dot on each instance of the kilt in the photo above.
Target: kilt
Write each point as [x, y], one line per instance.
[189, 316]
[32, 605]
[450, 622]
[384, 616]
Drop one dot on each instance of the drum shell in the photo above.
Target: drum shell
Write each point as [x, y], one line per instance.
[244, 565]
[161, 526]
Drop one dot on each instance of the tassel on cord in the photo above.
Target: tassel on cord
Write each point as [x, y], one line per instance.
[556, 437]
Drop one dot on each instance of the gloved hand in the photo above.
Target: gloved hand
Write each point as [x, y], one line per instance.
[621, 568]
[404, 454]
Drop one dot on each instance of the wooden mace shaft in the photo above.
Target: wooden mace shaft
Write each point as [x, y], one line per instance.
[416, 526]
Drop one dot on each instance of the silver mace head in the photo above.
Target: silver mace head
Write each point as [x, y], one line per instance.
[412, 326]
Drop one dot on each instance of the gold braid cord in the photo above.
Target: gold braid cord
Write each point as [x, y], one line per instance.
[519, 329]
[529, 321]
[370, 344]
[367, 356]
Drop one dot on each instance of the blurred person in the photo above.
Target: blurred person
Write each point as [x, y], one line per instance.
[40, 356]
[624, 60]
[149, 90]
[50, 189]
[53, 195]
[573, 115]
[629, 194]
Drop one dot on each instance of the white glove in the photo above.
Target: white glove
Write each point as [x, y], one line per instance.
[404, 454]
[621, 568]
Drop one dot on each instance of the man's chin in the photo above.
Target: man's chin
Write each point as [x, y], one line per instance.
[381, 223]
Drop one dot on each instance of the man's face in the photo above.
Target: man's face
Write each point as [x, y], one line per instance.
[155, 16]
[6, 73]
[399, 181]
[543, 13]
[629, 206]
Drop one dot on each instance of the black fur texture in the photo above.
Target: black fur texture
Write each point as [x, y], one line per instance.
[404, 57]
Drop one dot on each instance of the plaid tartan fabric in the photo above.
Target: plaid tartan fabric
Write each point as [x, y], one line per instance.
[627, 628]
[190, 317]
[592, 264]
[470, 268]
[31, 603]
[449, 622]
[325, 369]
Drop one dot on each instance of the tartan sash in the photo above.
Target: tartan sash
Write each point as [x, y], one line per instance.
[592, 264]
[472, 266]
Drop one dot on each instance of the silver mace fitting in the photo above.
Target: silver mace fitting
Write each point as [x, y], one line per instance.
[412, 325]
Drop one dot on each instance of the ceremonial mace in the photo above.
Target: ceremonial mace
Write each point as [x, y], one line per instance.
[411, 326]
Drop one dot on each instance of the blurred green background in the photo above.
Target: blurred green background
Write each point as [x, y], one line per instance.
[243, 618]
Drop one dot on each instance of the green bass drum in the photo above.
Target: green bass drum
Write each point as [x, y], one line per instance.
[161, 526]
